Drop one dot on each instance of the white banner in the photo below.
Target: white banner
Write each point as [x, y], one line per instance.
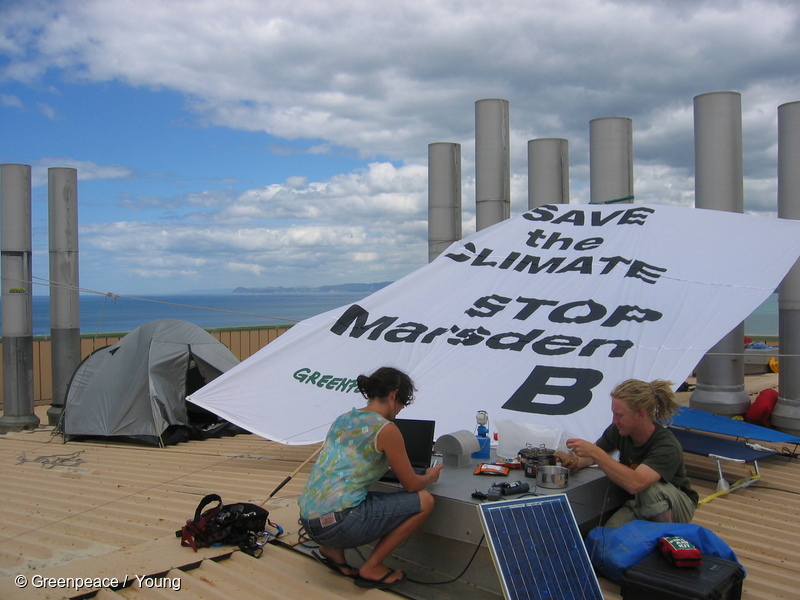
[535, 320]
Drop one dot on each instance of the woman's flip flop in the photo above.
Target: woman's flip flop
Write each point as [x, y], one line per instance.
[334, 566]
[380, 584]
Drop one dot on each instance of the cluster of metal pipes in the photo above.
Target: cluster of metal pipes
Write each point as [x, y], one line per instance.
[719, 185]
[17, 281]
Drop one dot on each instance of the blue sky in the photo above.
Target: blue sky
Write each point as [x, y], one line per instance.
[148, 138]
[254, 143]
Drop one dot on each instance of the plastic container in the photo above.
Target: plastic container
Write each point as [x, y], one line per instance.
[655, 578]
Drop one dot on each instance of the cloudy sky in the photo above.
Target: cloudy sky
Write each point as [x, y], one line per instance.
[225, 143]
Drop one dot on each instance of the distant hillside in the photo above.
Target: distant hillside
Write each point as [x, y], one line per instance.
[350, 288]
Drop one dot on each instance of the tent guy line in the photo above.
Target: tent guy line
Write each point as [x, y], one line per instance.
[46, 282]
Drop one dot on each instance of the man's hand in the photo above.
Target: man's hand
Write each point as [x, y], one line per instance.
[581, 448]
[633, 481]
[587, 452]
[568, 459]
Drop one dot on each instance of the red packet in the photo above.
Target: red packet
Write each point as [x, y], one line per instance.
[490, 469]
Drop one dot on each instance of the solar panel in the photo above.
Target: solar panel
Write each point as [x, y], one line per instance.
[537, 549]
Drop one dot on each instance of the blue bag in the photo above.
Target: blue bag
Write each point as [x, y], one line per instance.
[614, 549]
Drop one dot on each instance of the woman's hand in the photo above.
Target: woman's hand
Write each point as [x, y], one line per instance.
[390, 442]
[433, 473]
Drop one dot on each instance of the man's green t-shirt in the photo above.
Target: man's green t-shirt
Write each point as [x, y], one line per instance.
[662, 453]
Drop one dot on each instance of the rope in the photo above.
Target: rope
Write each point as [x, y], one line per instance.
[625, 199]
[767, 354]
[116, 297]
[55, 460]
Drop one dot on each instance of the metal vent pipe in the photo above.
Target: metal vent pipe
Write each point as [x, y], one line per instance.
[444, 196]
[65, 329]
[548, 172]
[17, 309]
[492, 163]
[611, 160]
[786, 415]
[719, 185]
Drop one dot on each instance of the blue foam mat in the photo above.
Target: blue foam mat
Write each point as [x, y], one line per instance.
[705, 445]
[691, 418]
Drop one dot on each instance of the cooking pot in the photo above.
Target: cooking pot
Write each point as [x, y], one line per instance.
[529, 453]
[546, 456]
[552, 477]
[531, 458]
[538, 453]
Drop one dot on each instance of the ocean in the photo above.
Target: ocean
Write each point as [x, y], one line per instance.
[763, 321]
[104, 314]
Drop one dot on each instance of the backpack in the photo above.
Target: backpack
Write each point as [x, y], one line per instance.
[240, 524]
[761, 409]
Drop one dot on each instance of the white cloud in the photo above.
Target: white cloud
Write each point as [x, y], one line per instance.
[47, 110]
[87, 170]
[231, 252]
[381, 80]
[301, 69]
[10, 100]
[382, 191]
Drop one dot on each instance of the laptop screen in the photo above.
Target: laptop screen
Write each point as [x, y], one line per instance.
[418, 437]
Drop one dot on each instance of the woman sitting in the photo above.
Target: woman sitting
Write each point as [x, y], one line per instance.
[336, 508]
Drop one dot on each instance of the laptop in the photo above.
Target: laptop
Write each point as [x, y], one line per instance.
[418, 438]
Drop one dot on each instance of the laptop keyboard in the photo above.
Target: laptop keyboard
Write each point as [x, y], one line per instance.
[390, 476]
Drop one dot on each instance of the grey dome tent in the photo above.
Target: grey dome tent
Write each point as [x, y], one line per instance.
[135, 389]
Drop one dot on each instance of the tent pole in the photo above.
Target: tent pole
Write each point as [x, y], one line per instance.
[295, 472]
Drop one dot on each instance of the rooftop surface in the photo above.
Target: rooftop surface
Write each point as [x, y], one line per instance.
[92, 510]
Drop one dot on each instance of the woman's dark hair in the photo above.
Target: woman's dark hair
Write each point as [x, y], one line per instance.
[383, 381]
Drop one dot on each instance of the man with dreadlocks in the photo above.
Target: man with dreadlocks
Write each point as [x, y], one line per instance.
[650, 466]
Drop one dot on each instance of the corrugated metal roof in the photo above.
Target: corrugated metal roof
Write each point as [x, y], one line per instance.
[93, 509]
